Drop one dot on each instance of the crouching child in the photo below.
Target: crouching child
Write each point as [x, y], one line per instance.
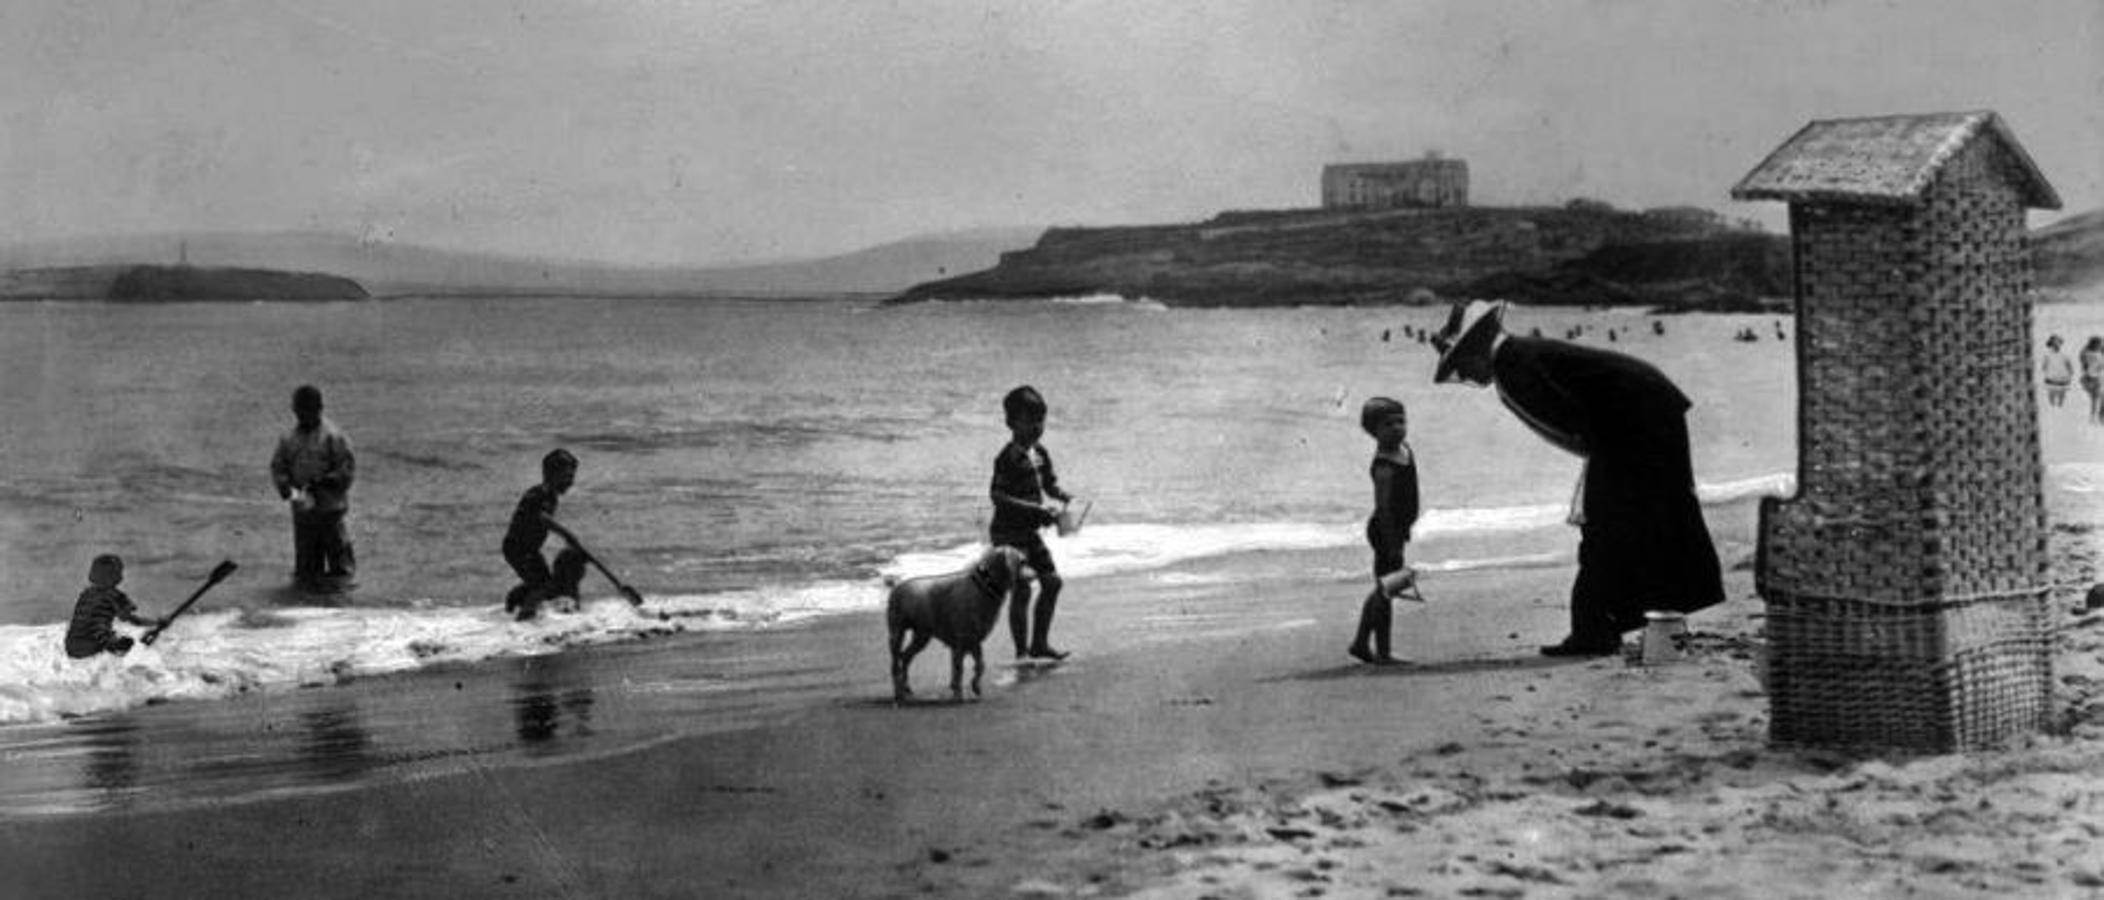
[91, 632]
[531, 522]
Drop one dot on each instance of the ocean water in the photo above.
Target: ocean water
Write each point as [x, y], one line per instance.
[757, 465]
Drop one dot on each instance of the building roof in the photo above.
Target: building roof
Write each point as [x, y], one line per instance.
[1882, 159]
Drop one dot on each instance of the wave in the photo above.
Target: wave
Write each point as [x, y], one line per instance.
[1141, 302]
[222, 653]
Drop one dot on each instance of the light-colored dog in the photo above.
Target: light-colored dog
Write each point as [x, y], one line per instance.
[959, 608]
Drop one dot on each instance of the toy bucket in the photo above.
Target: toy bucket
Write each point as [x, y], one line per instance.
[1663, 634]
[1401, 584]
[1070, 521]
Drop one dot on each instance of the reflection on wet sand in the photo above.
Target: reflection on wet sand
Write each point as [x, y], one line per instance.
[334, 744]
[547, 692]
[111, 768]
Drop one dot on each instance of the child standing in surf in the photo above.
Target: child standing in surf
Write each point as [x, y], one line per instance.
[1395, 507]
[1023, 479]
[99, 606]
[531, 521]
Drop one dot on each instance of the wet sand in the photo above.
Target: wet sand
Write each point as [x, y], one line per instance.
[1209, 738]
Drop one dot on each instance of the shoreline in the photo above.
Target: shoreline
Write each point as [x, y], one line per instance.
[1209, 739]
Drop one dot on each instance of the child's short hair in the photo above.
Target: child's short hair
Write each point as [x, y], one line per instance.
[106, 570]
[1023, 401]
[1377, 410]
[558, 460]
[306, 396]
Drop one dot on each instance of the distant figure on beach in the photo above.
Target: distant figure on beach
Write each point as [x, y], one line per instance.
[1023, 479]
[1642, 544]
[313, 469]
[2093, 377]
[2057, 371]
[1395, 505]
[531, 522]
[101, 604]
[1658, 326]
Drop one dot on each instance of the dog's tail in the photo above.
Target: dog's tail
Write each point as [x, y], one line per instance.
[892, 581]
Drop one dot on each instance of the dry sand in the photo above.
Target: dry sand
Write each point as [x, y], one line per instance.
[1210, 740]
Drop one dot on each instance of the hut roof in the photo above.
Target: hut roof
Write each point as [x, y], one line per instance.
[1882, 159]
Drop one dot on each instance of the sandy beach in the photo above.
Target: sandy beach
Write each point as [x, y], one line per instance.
[1209, 739]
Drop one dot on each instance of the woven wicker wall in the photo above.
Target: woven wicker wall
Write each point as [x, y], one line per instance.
[1906, 582]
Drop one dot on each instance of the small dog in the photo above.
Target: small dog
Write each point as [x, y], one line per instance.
[959, 608]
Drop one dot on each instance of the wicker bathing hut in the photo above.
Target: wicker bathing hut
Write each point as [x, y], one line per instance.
[1905, 583]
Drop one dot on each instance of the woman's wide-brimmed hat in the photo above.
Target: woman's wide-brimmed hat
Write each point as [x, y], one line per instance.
[1470, 328]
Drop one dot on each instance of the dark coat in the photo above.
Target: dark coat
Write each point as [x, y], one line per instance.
[1644, 545]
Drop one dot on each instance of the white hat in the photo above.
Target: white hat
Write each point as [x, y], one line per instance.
[1469, 329]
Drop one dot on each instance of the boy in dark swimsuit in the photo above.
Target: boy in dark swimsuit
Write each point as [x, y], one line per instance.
[1395, 507]
[531, 522]
[1023, 478]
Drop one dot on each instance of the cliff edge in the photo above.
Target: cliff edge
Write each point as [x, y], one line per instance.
[183, 283]
[1582, 253]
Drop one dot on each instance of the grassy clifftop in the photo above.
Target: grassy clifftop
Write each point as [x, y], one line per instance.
[177, 283]
[161, 284]
[2070, 253]
[1580, 254]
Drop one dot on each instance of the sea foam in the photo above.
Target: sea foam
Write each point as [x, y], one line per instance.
[221, 653]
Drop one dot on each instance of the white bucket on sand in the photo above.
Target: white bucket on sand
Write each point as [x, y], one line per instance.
[1070, 521]
[1663, 632]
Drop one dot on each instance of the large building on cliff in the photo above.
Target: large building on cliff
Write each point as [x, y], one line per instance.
[1428, 183]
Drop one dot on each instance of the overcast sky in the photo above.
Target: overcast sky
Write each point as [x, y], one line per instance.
[649, 131]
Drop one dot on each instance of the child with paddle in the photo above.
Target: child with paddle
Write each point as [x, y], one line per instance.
[99, 606]
[102, 604]
[531, 522]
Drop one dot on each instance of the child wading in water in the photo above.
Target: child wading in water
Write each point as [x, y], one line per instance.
[1022, 480]
[1388, 529]
[531, 521]
[99, 605]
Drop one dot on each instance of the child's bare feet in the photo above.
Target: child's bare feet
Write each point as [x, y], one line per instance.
[1361, 654]
[1046, 652]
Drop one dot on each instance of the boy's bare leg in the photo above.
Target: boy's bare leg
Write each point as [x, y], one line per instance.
[1376, 615]
[1047, 602]
[1019, 618]
[1361, 649]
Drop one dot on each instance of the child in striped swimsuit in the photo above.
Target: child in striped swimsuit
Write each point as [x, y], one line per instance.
[99, 606]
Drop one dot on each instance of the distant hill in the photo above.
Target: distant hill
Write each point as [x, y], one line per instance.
[166, 284]
[393, 269]
[174, 284]
[2069, 253]
[1583, 253]
[1673, 258]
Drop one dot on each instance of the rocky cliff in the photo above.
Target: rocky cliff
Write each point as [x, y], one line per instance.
[2070, 253]
[156, 284]
[179, 283]
[1584, 253]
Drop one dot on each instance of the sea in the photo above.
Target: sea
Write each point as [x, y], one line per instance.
[752, 466]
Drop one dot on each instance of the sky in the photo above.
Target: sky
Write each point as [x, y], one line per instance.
[651, 132]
